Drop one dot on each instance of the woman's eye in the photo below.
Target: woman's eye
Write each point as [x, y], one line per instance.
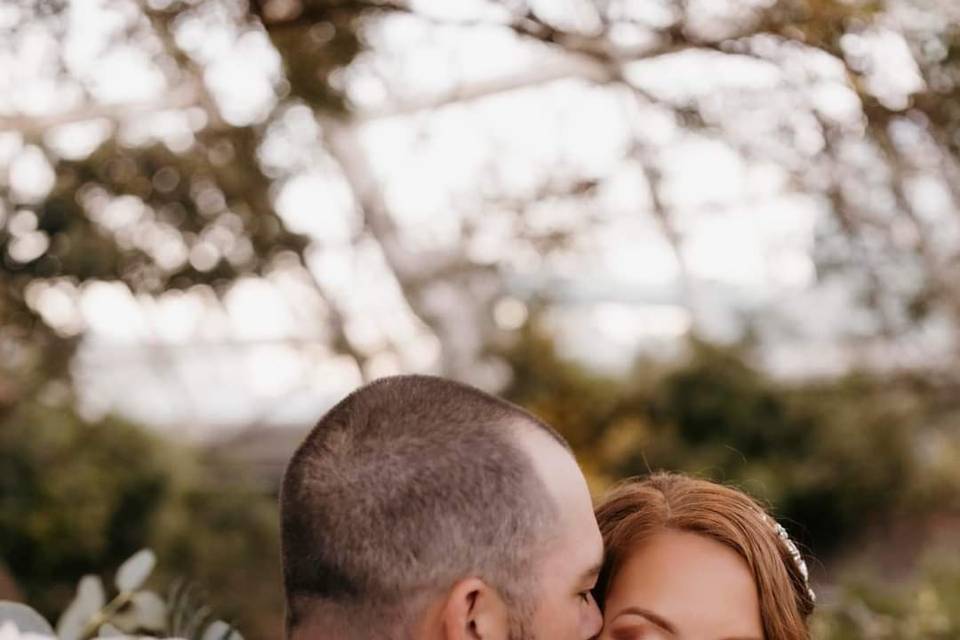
[586, 596]
[635, 633]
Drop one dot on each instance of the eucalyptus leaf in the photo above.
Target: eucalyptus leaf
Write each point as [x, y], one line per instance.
[24, 618]
[220, 630]
[134, 572]
[195, 621]
[90, 599]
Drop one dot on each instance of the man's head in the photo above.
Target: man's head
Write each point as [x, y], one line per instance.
[422, 508]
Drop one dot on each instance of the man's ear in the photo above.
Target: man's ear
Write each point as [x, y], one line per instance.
[475, 611]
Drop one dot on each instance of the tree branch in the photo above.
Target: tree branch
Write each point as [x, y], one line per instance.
[182, 97]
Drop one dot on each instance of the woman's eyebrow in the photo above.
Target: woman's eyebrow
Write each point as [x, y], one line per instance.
[657, 620]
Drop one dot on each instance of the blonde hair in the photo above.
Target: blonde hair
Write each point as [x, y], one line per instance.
[639, 508]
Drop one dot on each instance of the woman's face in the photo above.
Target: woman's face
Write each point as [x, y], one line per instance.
[682, 586]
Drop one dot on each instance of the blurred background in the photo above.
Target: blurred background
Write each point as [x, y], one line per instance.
[707, 236]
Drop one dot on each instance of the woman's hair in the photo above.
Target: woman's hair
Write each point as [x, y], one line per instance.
[637, 509]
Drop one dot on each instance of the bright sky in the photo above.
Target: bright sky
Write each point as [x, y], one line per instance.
[747, 239]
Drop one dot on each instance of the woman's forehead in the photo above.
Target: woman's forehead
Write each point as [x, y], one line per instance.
[690, 580]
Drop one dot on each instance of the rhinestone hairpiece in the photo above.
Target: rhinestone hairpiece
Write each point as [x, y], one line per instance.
[794, 553]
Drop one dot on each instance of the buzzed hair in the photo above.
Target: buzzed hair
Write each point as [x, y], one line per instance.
[406, 486]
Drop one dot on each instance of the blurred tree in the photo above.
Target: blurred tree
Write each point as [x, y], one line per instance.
[835, 459]
[201, 212]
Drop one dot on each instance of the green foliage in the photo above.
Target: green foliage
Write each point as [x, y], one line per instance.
[76, 497]
[831, 457]
[72, 502]
[133, 611]
[926, 609]
[225, 538]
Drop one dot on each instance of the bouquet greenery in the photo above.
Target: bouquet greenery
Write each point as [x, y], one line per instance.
[133, 612]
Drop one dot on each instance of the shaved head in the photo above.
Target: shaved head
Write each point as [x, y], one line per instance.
[406, 486]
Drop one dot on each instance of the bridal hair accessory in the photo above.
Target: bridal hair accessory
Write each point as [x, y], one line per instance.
[794, 553]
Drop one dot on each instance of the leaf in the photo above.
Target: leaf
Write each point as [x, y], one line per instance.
[145, 611]
[194, 621]
[26, 619]
[220, 630]
[135, 571]
[181, 603]
[89, 600]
